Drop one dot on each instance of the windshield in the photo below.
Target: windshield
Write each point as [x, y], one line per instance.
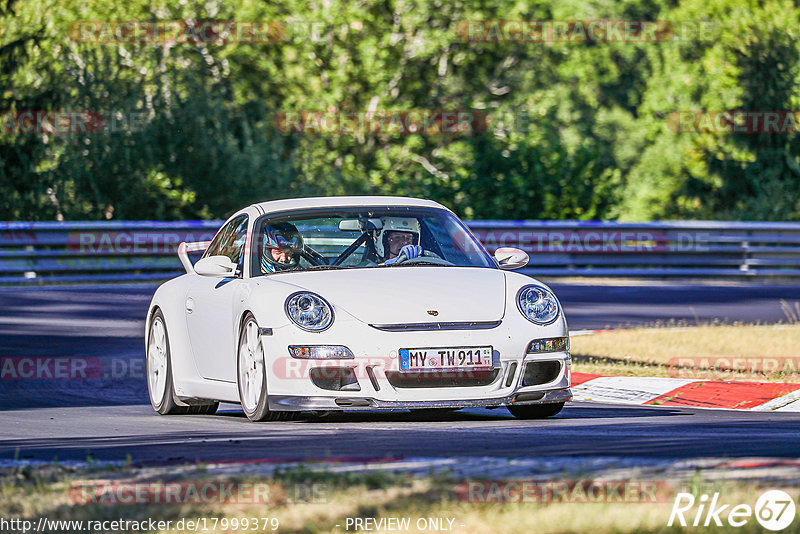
[349, 238]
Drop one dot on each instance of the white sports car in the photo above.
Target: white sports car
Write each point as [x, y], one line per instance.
[354, 303]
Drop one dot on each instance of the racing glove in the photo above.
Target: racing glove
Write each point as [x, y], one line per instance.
[409, 251]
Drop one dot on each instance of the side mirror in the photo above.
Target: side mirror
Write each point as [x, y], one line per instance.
[220, 266]
[509, 258]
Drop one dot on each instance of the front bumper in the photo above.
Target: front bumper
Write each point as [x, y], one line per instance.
[375, 383]
[342, 402]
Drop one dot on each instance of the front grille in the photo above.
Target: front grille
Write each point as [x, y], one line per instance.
[442, 379]
[537, 373]
[426, 327]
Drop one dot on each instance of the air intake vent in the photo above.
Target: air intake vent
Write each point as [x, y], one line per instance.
[442, 379]
[537, 373]
[334, 378]
[512, 370]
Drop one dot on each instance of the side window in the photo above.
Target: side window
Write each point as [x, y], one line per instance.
[230, 240]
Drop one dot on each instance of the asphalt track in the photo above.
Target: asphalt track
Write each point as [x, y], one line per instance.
[108, 418]
[582, 429]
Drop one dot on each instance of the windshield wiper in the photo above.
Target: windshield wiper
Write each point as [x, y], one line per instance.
[325, 267]
[423, 262]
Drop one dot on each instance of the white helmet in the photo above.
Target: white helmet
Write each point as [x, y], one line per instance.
[395, 224]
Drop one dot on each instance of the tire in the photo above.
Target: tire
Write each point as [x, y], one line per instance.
[251, 375]
[159, 368]
[535, 411]
[159, 373]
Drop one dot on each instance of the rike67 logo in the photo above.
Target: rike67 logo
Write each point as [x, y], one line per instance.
[774, 510]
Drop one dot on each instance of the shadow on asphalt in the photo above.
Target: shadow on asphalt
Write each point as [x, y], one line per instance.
[702, 435]
[475, 414]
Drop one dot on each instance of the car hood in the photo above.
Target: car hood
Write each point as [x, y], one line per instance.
[420, 294]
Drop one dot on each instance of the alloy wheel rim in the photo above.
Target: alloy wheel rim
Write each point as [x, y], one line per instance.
[251, 367]
[157, 360]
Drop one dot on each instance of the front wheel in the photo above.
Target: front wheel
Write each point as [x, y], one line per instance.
[251, 372]
[536, 411]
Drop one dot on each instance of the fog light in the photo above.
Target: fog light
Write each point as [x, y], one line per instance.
[320, 352]
[553, 344]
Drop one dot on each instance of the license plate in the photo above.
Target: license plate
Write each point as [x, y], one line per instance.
[446, 358]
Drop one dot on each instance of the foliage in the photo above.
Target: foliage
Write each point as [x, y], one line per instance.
[577, 130]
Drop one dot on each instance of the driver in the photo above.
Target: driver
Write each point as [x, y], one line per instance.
[398, 236]
[282, 247]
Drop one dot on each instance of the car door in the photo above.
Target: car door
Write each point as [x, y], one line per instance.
[210, 304]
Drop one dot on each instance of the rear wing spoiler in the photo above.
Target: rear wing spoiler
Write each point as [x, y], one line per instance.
[185, 248]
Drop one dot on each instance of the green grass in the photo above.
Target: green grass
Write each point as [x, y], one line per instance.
[767, 353]
[44, 491]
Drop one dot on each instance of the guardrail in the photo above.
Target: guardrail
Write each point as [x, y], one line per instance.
[659, 249]
[52, 252]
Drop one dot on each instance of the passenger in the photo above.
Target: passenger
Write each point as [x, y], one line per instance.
[399, 237]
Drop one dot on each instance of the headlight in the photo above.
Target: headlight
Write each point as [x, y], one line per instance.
[553, 344]
[309, 311]
[538, 304]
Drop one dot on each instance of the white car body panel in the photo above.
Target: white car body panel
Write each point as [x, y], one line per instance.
[405, 294]
[204, 341]
[212, 324]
